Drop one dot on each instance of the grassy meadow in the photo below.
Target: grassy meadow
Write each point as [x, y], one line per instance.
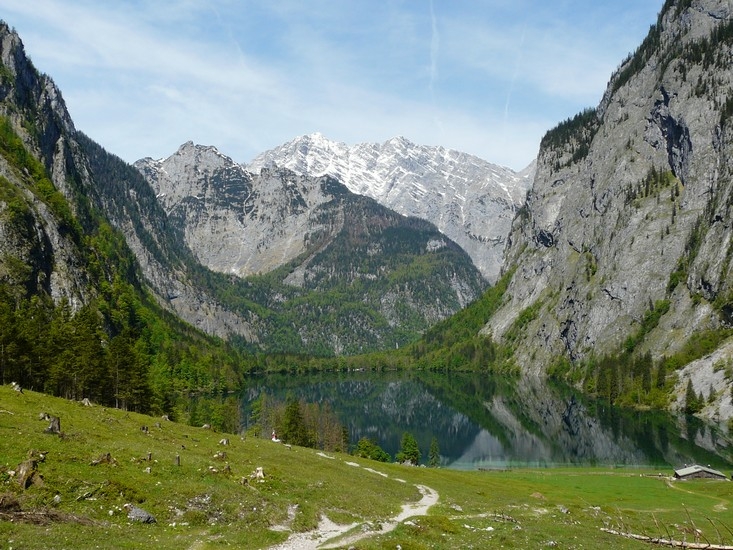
[212, 499]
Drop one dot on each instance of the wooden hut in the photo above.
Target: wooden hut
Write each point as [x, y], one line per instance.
[698, 472]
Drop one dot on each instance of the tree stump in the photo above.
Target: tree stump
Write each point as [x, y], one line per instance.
[28, 474]
[54, 426]
[106, 458]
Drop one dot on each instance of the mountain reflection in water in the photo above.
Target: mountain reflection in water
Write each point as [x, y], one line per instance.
[482, 421]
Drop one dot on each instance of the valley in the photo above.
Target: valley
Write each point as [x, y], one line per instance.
[564, 333]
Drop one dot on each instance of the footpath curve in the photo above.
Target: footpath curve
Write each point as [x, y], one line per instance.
[325, 535]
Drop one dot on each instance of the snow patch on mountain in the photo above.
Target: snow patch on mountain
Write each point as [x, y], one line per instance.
[470, 200]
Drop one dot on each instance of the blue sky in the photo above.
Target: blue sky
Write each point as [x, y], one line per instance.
[488, 77]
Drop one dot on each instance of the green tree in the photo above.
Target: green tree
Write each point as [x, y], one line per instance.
[409, 450]
[257, 415]
[294, 429]
[368, 448]
[693, 403]
[434, 454]
[226, 416]
[661, 373]
[644, 366]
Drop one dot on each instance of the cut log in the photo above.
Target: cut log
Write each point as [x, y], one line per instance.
[28, 473]
[659, 541]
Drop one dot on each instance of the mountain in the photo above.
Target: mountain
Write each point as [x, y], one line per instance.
[337, 272]
[469, 199]
[89, 265]
[84, 231]
[624, 247]
[99, 188]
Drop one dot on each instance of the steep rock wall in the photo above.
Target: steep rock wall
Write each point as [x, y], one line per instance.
[630, 199]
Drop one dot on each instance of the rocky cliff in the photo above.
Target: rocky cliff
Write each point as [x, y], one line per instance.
[345, 273]
[625, 240]
[40, 250]
[469, 199]
[233, 221]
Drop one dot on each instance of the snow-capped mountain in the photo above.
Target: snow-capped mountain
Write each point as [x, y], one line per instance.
[469, 199]
[340, 272]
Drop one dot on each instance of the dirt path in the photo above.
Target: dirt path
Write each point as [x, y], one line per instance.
[420, 508]
[323, 536]
[312, 540]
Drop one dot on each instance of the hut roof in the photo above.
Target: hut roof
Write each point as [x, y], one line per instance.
[696, 469]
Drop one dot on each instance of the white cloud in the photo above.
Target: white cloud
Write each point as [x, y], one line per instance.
[143, 77]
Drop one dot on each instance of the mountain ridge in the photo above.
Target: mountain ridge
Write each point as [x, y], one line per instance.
[306, 238]
[469, 199]
[74, 196]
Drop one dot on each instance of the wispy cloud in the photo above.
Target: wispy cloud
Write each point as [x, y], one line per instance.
[434, 47]
[143, 77]
[434, 53]
[517, 66]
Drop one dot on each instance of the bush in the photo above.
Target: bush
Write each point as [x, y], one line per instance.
[367, 448]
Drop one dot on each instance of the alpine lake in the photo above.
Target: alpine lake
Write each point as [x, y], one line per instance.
[487, 422]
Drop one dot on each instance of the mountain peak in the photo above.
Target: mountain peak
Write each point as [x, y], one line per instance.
[191, 150]
[471, 200]
[400, 140]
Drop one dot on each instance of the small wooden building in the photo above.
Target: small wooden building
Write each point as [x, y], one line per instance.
[698, 472]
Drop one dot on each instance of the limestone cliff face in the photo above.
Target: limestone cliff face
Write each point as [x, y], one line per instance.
[631, 203]
[469, 199]
[236, 222]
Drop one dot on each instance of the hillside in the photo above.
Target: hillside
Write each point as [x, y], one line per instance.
[203, 493]
[621, 257]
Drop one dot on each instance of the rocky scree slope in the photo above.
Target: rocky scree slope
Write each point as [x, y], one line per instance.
[469, 199]
[630, 210]
[347, 274]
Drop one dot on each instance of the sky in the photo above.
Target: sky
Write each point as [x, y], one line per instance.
[487, 77]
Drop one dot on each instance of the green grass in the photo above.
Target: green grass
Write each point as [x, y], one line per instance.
[198, 504]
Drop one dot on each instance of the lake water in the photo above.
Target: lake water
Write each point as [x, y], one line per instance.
[490, 422]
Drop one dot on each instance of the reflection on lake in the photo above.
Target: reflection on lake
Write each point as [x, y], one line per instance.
[490, 422]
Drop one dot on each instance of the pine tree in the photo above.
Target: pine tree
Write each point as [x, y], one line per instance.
[693, 403]
[409, 450]
[434, 454]
[645, 368]
[294, 429]
[661, 374]
[292, 425]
